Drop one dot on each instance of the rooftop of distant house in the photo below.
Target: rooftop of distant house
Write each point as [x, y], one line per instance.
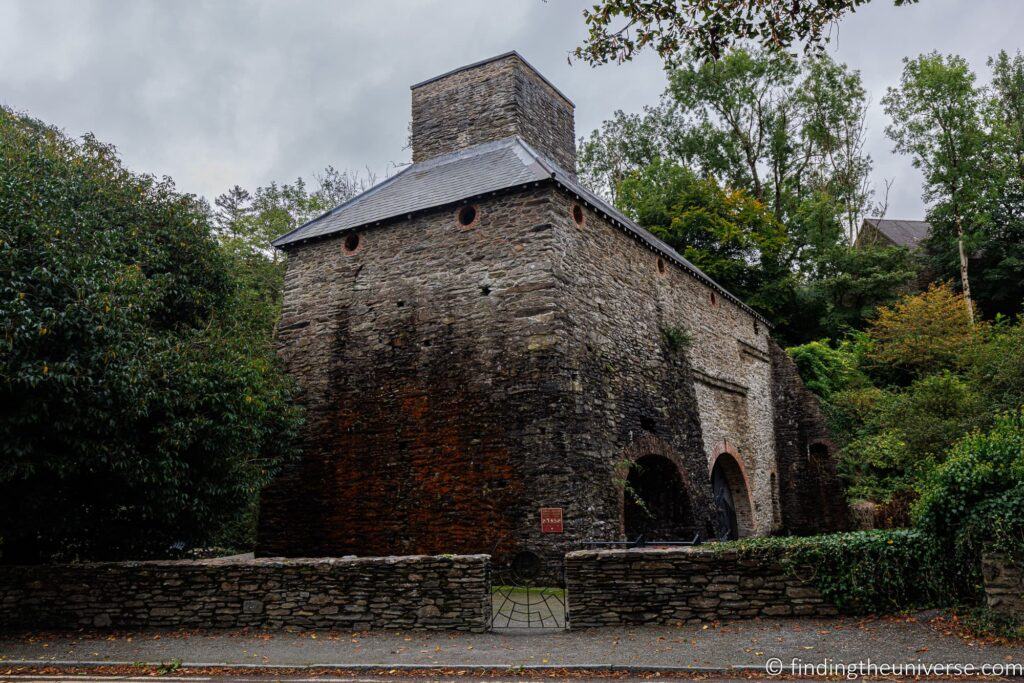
[901, 233]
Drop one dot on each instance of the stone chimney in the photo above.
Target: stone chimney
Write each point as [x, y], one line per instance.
[490, 100]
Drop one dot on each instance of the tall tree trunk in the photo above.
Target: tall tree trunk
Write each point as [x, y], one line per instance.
[964, 280]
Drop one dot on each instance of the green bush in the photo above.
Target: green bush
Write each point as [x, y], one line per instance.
[875, 466]
[140, 413]
[976, 498]
[826, 370]
[892, 440]
[862, 571]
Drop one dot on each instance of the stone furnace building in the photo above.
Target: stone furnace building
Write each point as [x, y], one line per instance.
[480, 337]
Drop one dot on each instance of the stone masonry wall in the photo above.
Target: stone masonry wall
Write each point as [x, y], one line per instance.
[1004, 584]
[634, 396]
[459, 379]
[387, 592]
[667, 586]
[427, 364]
[489, 102]
[811, 497]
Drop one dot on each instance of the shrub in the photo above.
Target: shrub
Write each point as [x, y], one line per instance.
[860, 571]
[976, 499]
[874, 466]
[850, 412]
[892, 440]
[997, 366]
[826, 370]
[138, 412]
[932, 414]
[922, 334]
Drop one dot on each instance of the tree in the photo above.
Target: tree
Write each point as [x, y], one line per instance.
[708, 28]
[924, 333]
[835, 106]
[139, 414]
[936, 116]
[851, 283]
[254, 220]
[726, 233]
[975, 501]
[790, 136]
[999, 259]
[784, 131]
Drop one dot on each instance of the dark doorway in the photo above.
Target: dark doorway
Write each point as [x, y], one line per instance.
[732, 501]
[655, 504]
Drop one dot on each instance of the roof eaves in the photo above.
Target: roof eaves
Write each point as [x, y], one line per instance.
[283, 240]
[416, 212]
[667, 252]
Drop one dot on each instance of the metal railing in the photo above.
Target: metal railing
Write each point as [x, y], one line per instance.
[642, 541]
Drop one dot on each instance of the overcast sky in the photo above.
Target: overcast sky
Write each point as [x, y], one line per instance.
[221, 93]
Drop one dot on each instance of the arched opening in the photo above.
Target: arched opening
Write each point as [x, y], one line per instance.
[817, 457]
[655, 504]
[732, 499]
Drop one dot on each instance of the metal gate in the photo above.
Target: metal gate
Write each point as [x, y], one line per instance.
[523, 597]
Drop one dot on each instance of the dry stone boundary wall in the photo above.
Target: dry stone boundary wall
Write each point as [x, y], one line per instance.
[1004, 584]
[413, 592]
[667, 586]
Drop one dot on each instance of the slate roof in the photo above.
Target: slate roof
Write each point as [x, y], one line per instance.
[482, 169]
[907, 234]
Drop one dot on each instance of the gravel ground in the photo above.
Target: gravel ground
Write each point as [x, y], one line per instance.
[924, 638]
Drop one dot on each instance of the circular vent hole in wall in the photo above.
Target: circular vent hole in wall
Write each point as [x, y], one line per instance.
[352, 242]
[577, 214]
[466, 216]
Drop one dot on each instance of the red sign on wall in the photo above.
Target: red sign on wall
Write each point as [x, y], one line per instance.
[551, 520]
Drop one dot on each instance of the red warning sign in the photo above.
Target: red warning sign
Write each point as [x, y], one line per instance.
[551, 520]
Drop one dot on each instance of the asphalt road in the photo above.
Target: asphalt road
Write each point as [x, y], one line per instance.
[921, 639]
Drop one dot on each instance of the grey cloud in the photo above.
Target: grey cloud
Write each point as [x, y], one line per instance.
[218, 93]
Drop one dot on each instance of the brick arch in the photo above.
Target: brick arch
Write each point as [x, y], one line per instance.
[646, 445]
[728, 448]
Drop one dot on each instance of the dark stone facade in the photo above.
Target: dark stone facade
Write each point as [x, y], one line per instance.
[669, 586]
[810, 495]
[431, 383]
[437, 593]
[460, 378]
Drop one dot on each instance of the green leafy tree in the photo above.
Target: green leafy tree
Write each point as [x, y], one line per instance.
[789, 135]
[937, 119]
[996, 367]
[827, 369]
[728, 234]
[763, 122]
[998, 262]
[709, 28]
[923, 334]
[850, 285]
[139, 413]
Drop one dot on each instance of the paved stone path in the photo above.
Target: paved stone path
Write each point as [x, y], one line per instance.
[750, 643]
